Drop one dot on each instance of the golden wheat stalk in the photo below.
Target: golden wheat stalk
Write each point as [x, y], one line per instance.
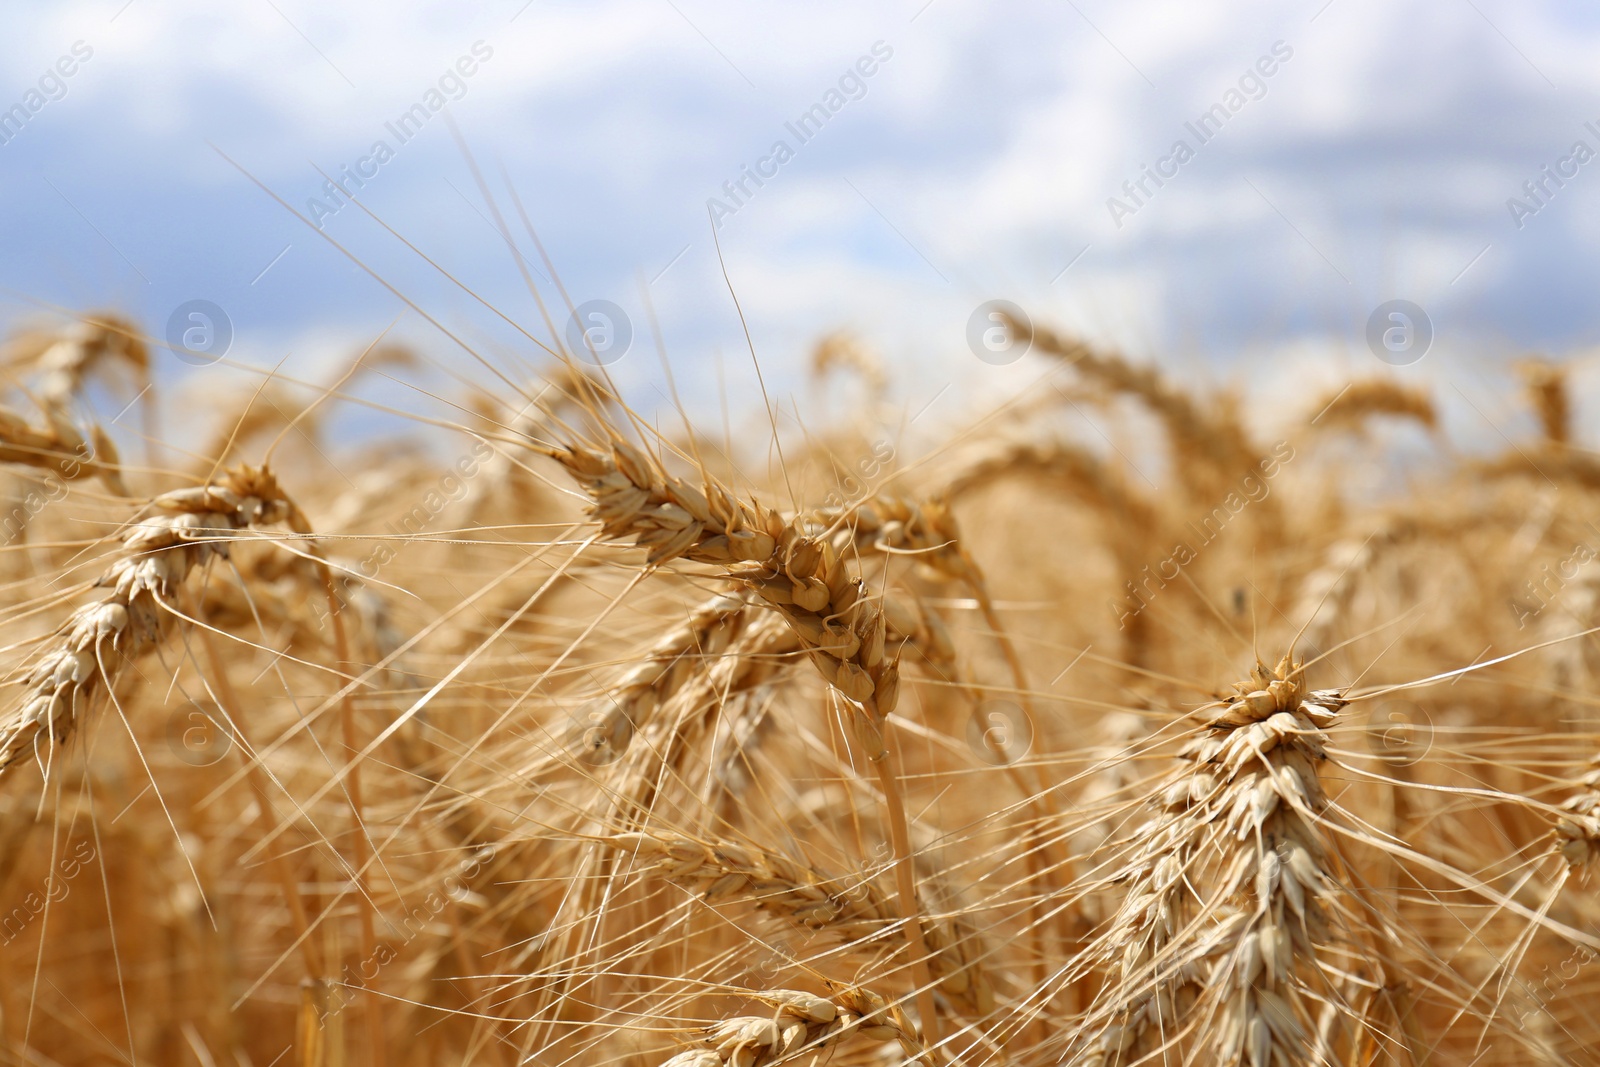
[1547, 388]
[802, 1024]
[1349, 406]
[853, 910]
[58, 448]
[1077, 468]
[676, 660]
[800, 577]
[1208, 446]
[1233, 921]
[845, 352]
[69, 358]
[179, 531]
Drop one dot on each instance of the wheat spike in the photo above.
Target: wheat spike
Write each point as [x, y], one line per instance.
[1075, 467]
[58, 448]
[1226, 936]
[1350, 405]
[179, 531]
[800, 577]
[844, 352]
[1546, 384]
[1210, 447]
[1578, 827]
[87, 346]
[802, 1024]
[781, 887]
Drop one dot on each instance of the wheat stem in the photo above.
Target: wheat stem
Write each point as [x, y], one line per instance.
[222, 686]
[363, 850]
[906, 887]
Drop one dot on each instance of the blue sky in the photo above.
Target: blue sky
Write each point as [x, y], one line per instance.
[976, 162]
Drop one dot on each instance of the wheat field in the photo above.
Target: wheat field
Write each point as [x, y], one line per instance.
[559, 732]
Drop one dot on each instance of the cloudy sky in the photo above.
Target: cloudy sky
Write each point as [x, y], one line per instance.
[970, 152]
